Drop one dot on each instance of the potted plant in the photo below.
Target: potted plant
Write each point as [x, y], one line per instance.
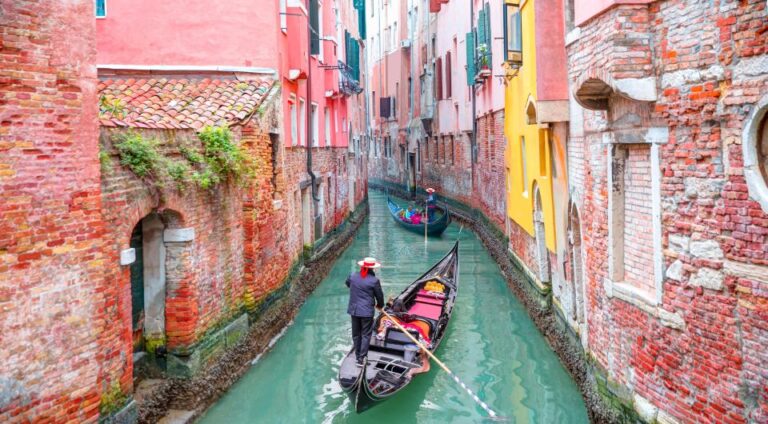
[483, 60]
[482, 56]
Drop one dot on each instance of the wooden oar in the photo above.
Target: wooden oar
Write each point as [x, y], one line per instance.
[482, 404]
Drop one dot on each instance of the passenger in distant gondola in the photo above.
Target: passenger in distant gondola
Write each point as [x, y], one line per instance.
[431, 204]
[365, 294]
[409, 213]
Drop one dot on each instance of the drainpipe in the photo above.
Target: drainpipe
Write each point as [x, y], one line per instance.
[309, 128]
[473, 156]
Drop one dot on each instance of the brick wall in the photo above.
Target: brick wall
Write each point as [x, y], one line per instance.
[688, 359]
[638, 231]
[211, 263]
[54, 302]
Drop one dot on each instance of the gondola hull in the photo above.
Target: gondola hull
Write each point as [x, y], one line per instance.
[435, 228]
[384, 363]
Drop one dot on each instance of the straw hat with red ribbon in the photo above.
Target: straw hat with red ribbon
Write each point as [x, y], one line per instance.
[366, 264]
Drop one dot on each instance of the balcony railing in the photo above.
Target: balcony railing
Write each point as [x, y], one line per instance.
[348, 84]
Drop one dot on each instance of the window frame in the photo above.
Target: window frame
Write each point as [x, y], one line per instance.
[511, 56]
[96, 8]
[294, 118]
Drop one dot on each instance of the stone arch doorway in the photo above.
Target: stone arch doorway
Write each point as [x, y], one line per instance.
[577, 266]
[148, 283]
[542, 254]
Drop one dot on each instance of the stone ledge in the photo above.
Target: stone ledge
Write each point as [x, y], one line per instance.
[127, 256]
[129, 414]
[757, 273]
[640, 299]
[542, 288]
[188, 364]
[178, 235]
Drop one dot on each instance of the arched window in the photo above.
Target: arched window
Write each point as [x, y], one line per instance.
[762, 148]
[755, 149]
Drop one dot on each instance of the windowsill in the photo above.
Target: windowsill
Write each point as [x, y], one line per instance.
[645, 302]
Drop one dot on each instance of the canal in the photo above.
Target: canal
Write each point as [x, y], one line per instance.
[491, 343]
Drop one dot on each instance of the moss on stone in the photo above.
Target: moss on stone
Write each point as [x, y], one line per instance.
[112, 399]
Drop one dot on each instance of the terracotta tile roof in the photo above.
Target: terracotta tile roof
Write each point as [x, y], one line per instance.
[179, 103]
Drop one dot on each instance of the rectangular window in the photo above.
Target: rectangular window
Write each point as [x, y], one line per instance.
[320, 31]
[101, 8]
[448, 71]
[453, 151]
[426, 150]
[439, 78]
[314, 25]
[283, 16]
[294, 121]
[394, 104]
[303, 122]
[315, 129]
[513, 35]
[524, 166]
[327, 127]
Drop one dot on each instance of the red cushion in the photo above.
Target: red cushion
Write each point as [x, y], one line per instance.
[426, 310]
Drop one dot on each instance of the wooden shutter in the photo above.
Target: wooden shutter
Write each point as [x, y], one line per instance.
[314, 23]
[384, 107]
[439, 79]
[481, 30]
[470, 42]
[448, 72]
[488, 37]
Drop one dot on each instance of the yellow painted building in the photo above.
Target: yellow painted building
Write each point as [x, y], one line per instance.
[528, 153]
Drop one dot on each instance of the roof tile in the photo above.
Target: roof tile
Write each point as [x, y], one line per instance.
[182, 103]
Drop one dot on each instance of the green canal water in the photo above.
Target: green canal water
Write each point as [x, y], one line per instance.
[491, 344]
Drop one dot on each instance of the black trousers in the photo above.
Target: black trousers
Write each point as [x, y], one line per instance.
[362, 328]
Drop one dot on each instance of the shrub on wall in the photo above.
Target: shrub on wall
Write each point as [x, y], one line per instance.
[216, 159]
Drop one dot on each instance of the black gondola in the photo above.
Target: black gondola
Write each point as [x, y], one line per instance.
[434, 228]
[424, 309]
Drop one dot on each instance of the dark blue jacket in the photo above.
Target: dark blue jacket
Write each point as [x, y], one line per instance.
[363, 292]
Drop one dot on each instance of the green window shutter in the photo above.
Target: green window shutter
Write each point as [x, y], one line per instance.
[470, 40]
[314, 23]
[481, 30]
[361, 19]
[488, 38]
[355, 59]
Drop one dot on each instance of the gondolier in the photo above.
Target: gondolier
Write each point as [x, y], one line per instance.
[365, 294]
[415, 321]
[431, 204]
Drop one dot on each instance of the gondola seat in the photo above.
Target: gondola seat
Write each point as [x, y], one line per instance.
[426, 310]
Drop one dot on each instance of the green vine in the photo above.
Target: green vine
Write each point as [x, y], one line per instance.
[216, 159]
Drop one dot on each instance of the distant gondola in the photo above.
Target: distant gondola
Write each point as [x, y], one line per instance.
[434, 228]
[424, 309]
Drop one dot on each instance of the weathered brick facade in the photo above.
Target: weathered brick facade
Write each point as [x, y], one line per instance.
[55, 306]
[674, 248]
[69, 214]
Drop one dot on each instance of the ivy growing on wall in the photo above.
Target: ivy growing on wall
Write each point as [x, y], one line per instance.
[213, 160]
